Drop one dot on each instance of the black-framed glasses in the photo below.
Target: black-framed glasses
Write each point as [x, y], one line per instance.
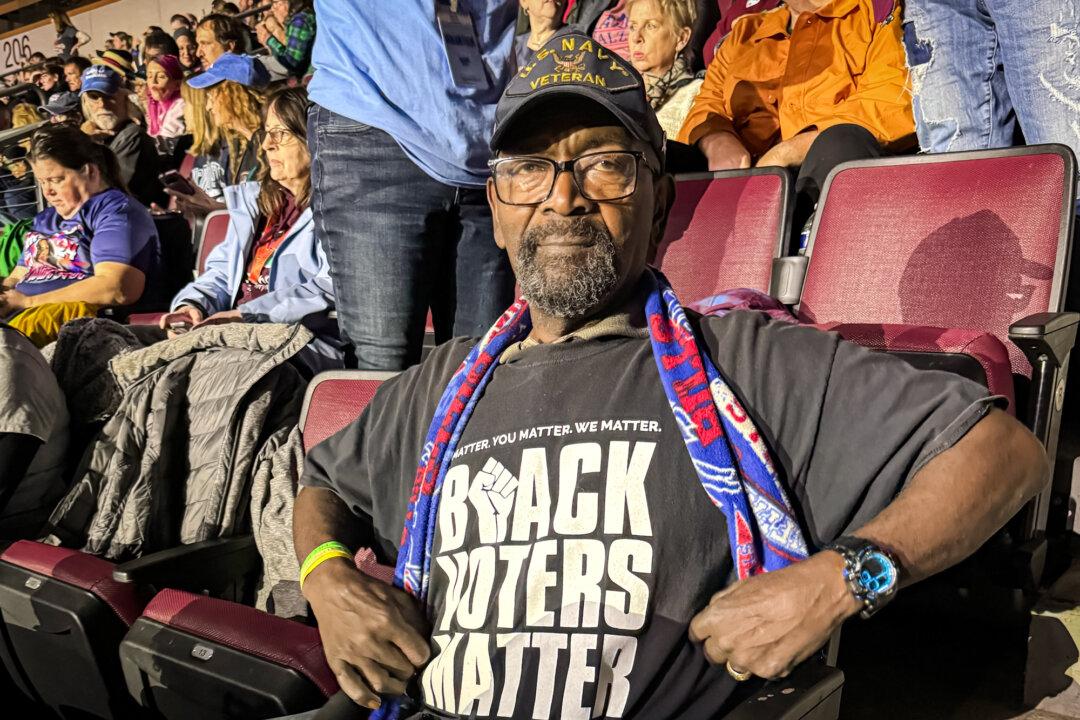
[599, 176]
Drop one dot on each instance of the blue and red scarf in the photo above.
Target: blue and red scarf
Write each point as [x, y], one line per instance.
[726, 449]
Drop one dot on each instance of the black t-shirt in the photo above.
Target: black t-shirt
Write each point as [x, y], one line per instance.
[575, 541]
[136, 153]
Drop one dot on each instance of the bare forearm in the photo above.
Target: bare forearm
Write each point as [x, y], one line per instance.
[960, 498]
[320, 516]
[95, 290]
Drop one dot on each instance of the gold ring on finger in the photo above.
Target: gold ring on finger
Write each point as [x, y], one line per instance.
[739, 675]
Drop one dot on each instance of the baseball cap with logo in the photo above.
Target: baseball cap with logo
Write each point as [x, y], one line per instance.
[101, 79]
[575, 66]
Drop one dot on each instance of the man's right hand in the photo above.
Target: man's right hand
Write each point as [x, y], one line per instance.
[724, 151]
[183, 314]
[373, 634]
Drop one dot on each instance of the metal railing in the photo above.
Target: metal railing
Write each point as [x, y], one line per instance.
[24, 88]
[13, 207]
[253, 11]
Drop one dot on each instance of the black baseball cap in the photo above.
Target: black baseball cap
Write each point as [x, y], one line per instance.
[576, 66]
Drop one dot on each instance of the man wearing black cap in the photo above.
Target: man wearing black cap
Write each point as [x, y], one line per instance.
[604, 479]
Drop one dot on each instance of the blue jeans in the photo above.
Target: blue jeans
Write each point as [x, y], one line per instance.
[400, 242]
[980, 66]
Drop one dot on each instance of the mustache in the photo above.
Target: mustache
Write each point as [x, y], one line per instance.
[592, 232]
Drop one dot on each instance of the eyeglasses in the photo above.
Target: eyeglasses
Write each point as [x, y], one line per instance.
[280, 136]
[600, 177]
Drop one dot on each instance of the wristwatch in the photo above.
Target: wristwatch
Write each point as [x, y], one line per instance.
[871, 572]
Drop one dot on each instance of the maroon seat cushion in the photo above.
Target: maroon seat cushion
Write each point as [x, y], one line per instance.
[723, 232]
[968, 240]
[84, 571]
[277, 640]
[145, 318]
[334, 400]
[991, 354]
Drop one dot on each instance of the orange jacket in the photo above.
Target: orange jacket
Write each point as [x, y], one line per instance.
[836, 66]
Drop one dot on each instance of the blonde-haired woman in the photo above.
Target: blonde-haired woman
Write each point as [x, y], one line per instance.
[224, 119]
[659, 33]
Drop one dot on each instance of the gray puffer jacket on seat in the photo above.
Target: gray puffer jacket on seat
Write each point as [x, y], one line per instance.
[173, 465]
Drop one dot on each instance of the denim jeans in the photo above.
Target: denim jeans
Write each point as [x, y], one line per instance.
[400, 242]
[980, 66]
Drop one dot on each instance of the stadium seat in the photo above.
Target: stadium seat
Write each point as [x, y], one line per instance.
[64, 608]
[973, 241]
[724, 230]
[212, 231]
[192, 656]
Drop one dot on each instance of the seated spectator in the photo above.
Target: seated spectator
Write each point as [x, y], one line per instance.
[668, 557]
[17, 182]
[94, 246]
[179, 22]
[545, 17]
[659, 33]
[33, 437]
[73, 70]
[51, 80]
[289, 33]
[68, 38]
[108, 115]
[158, 43]
[270, 268]
[751, 111]
[164, 106]
[209, 173]
[216, 35]
[185, 41]
[64, 107]
[121, 41]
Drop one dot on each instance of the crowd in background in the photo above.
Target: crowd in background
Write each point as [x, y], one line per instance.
[351, 151]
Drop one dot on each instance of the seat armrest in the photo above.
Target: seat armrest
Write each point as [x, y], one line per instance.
[210, 562]
[810, 692]
[1051, 334]
[788, 274]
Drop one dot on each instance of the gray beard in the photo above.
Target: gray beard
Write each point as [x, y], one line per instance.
[567, 287]
[106, 121]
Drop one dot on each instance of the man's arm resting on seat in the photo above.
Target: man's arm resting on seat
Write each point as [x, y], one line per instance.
[371, 631]
[770, 623]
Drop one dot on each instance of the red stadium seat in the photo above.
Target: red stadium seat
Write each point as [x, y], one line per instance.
[724, 230]
[977, 241]
[214, 227]
[192, 656]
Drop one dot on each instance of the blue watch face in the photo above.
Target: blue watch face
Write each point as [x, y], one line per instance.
[877, 574]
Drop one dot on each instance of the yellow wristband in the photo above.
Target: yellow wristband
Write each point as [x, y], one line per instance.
[326, 551]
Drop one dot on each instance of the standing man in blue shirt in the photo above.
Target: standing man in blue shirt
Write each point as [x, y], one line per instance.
[404, 100]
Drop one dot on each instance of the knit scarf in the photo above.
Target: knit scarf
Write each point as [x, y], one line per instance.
[663, 87]
[726, 449]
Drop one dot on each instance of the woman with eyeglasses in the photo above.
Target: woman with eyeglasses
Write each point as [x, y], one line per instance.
[269, 268]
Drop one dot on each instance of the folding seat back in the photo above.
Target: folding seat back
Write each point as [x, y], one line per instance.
[961, 240]
[62, 617]
[192, 656]
[978, 242]
[724, 230]
[212, 234]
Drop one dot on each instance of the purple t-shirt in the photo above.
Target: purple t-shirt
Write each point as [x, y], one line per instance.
[110, 227]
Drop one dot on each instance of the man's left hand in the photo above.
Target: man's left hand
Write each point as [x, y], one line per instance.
[789, 153]
[768, 624]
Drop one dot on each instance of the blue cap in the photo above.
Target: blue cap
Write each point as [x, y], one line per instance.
[61, 103]
[241, 69]
[100, 78]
